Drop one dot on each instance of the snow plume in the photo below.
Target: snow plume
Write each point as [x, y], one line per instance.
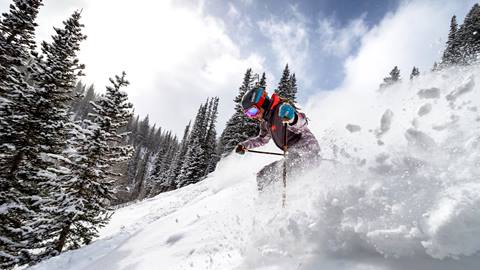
[405, 184]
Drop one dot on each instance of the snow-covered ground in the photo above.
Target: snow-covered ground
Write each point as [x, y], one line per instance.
[404, 194]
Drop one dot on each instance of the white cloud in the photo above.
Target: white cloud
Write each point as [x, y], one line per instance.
[414, 35]
[232, 11]
[340, 41]
[289, 39]
[175, 56]
[247, 2]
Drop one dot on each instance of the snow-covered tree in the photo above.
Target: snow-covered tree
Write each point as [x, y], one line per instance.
[415, 73]
[200, 158]
[194, 164]
[467, 38]
[393, 78]
[177, 162]
[94, 150]
[451, 53]
[54, 79]
[287, 87]
[17, 42]
[293, 89]
[283, 89]
[238, 127]
[82, 107]
[164, 159]
[40, 117]
[210, 145]
[263, 81]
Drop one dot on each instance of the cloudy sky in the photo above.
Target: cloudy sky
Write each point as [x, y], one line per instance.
[179, 52]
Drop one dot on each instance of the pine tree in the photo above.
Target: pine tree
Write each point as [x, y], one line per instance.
[54, 78]
[95, 149]
[83, 108]
[293, 89]
[415, 73]
[263, 81]
[164, 159]
[395, 74]
[451, 54]
[132, 129]
[393, 78]
[40, 118]
[238, 127]
[77, 96]
[283, 89]
[177, 162]
[246, 85]
[210, 147]
[194, 165]
[142, 132]
[467, 38]
[17, 42]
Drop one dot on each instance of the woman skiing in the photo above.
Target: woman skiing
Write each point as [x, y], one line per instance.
[272, 113]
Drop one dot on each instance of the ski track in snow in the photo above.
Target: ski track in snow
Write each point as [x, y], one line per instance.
[408, 201]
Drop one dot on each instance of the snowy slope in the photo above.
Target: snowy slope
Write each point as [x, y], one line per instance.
[404, 194]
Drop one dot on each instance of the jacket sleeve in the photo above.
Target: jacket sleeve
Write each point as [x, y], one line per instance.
[262, 138]
[299, 124]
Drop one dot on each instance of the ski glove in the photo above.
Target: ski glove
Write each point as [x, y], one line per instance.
[240, 149]
[287, 113]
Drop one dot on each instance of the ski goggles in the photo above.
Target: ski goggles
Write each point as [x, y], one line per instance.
[252, 111]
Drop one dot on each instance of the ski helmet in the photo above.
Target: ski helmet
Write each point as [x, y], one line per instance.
[254, 97]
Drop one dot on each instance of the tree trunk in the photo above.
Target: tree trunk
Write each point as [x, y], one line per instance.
[63, 238]
[17, 159]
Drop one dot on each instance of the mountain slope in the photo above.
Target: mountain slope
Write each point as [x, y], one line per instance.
[402, 194]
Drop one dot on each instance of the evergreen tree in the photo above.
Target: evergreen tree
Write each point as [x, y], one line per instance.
[83, 108]
[40, 118]
[54, 78]
[293, 89]
[451, 53]
[95, 149]
[163, 162]
[192, 169]
[194, 165]
[284, 86]
[132, 128]
[176, 165]
[17, 42]
[415, 73]
[467, 38]
[393, 78]
[142, 132]
[210, 147]
[263, 81]
[239, 127]
[77, 96]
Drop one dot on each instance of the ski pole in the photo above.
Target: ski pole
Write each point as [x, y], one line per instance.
[264, 152]
[285, 148]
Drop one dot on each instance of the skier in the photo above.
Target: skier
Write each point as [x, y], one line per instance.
[273, 112]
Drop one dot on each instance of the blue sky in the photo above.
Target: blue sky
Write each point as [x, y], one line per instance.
[179, 52]
[338, 13]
